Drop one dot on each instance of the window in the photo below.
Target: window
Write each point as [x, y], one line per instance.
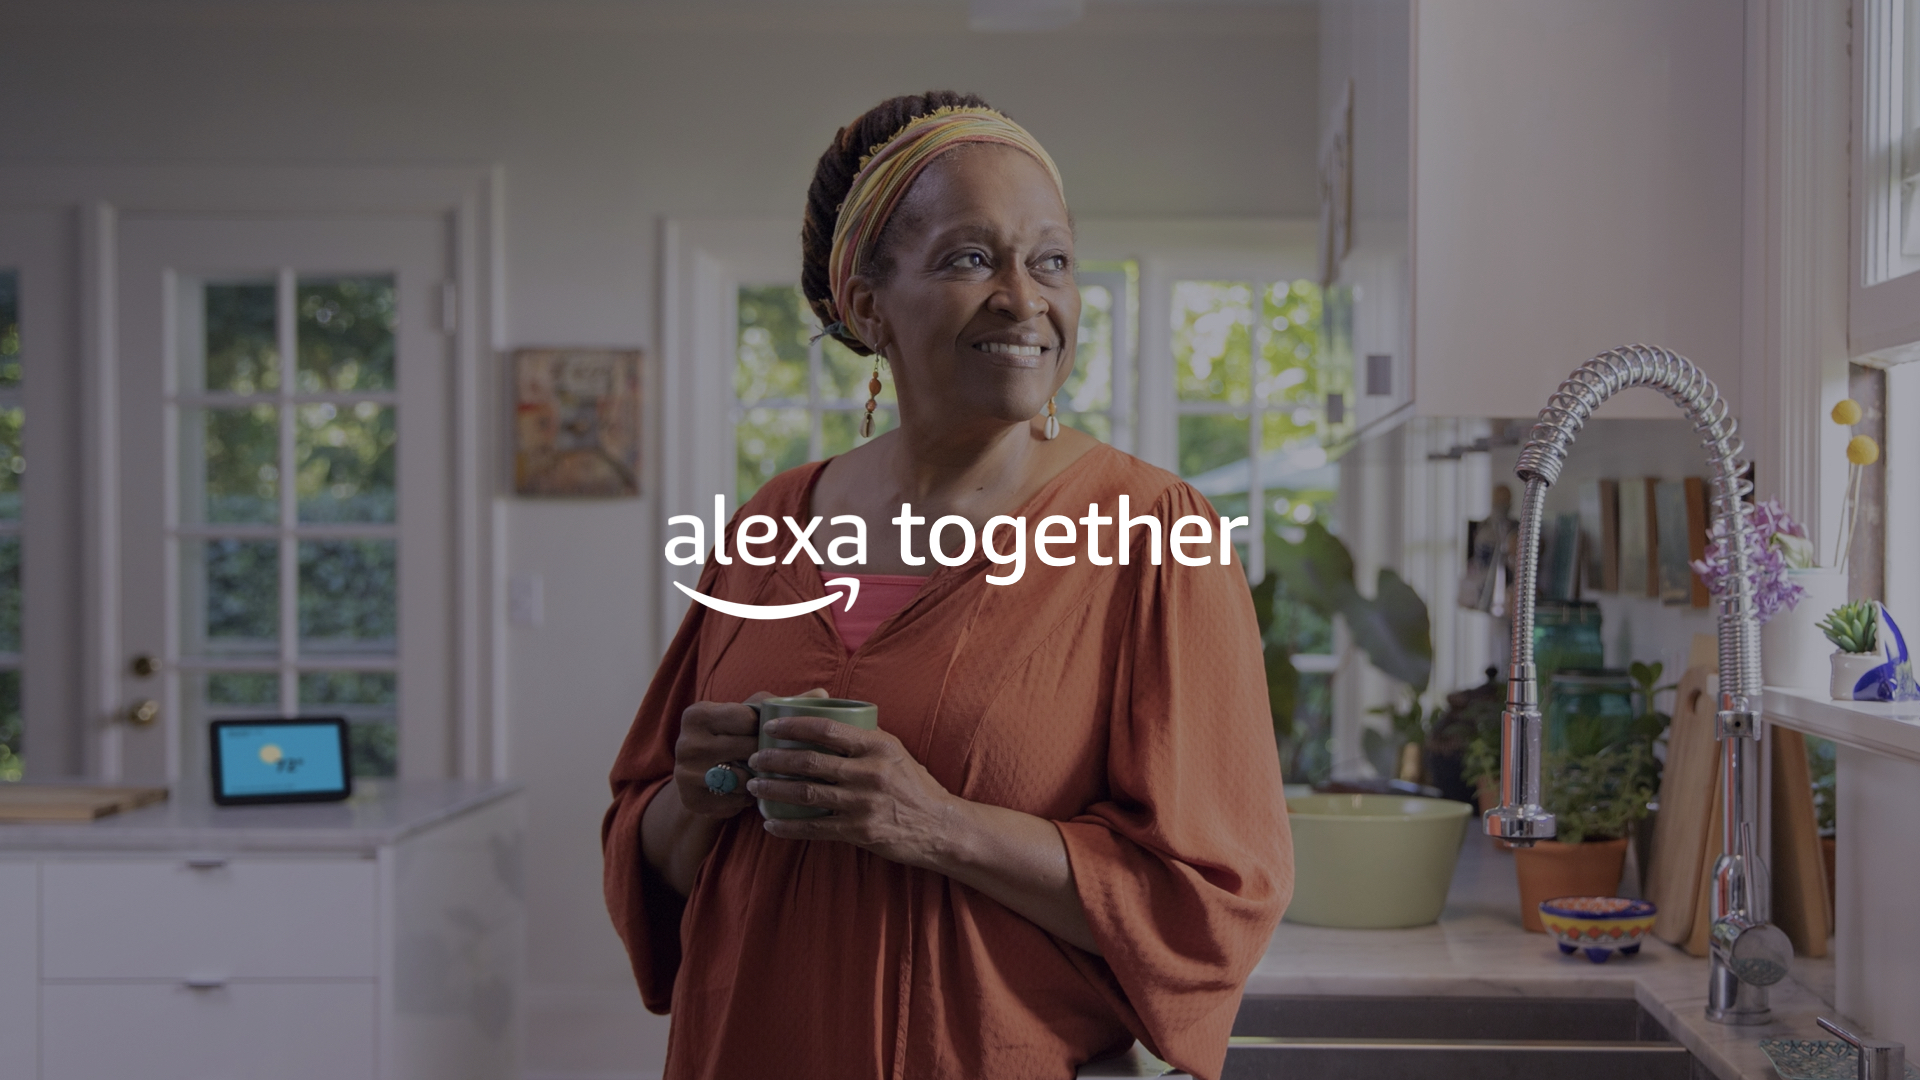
[1884, 290]
[798, 397]
[12, 464]
[1098, 396]
[1251, 426]
[287, 527]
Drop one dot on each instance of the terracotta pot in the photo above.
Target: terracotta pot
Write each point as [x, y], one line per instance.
[1550, 869]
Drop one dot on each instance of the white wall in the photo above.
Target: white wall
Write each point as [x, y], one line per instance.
[608, 119]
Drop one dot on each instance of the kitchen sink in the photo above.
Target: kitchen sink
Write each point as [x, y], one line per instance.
[1437, 1038]
[1441, 1038]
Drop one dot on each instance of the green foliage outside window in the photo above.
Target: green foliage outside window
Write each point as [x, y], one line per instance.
[775, 327]
[345, 462]
[346, 335]
[368, 701]
[11, 762]
[1241, 350]
[242, 348]
[9, 330]
[343, 469]
[349, 593]
[774, 383]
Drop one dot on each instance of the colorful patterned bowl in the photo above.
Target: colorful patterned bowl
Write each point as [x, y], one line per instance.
[1598, 925]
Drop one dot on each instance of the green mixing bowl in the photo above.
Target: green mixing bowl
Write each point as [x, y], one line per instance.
[1373, 862]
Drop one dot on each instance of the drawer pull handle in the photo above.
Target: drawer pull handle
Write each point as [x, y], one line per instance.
[206, 862]
[205, 982]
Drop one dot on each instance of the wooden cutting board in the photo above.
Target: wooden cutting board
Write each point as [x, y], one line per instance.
[1800, 869]
[70, 803]
[1687, 798]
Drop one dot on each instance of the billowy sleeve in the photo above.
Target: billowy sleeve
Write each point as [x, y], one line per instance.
[646, 910]
[1185, 869]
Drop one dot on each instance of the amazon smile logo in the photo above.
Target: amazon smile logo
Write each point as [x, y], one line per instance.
[1004, 540]
[776, 611]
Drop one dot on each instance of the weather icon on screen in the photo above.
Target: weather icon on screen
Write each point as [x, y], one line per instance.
[270, 753]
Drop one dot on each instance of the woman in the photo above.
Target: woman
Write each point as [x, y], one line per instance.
[1068, 832]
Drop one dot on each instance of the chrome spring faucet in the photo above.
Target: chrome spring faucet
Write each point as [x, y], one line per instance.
[1747, 954]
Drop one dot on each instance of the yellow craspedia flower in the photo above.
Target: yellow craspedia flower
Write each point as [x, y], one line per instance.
[1847, 412]
[1862, 450]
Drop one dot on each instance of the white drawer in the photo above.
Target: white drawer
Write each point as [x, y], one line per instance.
[241, 918]
[19, 966]
[242, 1031]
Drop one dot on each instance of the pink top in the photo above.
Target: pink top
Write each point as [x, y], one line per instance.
[880, 596]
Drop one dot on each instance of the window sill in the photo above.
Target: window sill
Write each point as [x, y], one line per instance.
[1889, 728]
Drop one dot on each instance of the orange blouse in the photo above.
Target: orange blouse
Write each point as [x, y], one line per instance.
[1127, 704]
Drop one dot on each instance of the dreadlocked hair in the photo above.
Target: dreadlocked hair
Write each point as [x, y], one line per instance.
[833, 178]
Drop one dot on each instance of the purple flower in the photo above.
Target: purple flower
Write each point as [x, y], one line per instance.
[1774, 590]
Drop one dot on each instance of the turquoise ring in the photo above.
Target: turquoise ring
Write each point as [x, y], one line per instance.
[721, 779]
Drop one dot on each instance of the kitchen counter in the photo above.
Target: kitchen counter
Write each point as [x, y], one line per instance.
[380, 813]
[1478, 948]
[383, 936]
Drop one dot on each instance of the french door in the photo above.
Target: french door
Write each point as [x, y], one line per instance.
[40, 537]
[284, 483]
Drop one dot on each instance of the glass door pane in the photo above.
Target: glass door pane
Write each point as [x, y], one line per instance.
[288, 431]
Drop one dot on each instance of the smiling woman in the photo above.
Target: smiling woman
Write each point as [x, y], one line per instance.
[1067, 831]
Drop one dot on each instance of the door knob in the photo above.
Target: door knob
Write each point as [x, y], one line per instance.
[144, 666]
[143, 713]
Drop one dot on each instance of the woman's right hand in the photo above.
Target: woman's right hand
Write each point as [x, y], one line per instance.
[718, 733]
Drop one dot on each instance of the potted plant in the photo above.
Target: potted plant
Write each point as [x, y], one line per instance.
[1851, 627]
[1471, 718]
[1596, 796]
[1597, 792]
[1391, 628]
[1650, 726]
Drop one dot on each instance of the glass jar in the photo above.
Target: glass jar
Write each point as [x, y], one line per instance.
[1566, 635]
[1600, 698]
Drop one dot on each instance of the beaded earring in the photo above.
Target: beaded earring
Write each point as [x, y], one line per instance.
[1053, 421]
[873, 394]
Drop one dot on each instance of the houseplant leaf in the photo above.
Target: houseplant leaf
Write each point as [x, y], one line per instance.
[1318, 571]
[1283, 689]
[1393, 630]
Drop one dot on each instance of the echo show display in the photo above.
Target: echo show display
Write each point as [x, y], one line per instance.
[280, 761]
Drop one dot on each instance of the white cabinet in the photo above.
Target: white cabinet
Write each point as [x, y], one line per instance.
[376, 940]
[1365, 74]
[209, 918]
[19, 964]
[1569, 176]
[235, 1031]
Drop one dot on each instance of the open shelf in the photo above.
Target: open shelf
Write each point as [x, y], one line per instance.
[1890, 728]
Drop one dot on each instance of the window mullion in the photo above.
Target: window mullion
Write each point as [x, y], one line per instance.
[288, 341]
[1256, 420]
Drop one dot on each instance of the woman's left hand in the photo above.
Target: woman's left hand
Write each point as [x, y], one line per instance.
[881, 798]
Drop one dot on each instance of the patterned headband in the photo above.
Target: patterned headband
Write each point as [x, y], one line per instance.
[890, 169]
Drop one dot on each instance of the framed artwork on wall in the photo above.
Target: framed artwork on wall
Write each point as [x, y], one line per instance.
[576, 420]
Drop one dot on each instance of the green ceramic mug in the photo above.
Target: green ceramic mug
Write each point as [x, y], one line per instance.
[861, 714]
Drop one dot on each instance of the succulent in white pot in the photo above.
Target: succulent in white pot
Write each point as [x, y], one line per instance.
[1854, 630]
